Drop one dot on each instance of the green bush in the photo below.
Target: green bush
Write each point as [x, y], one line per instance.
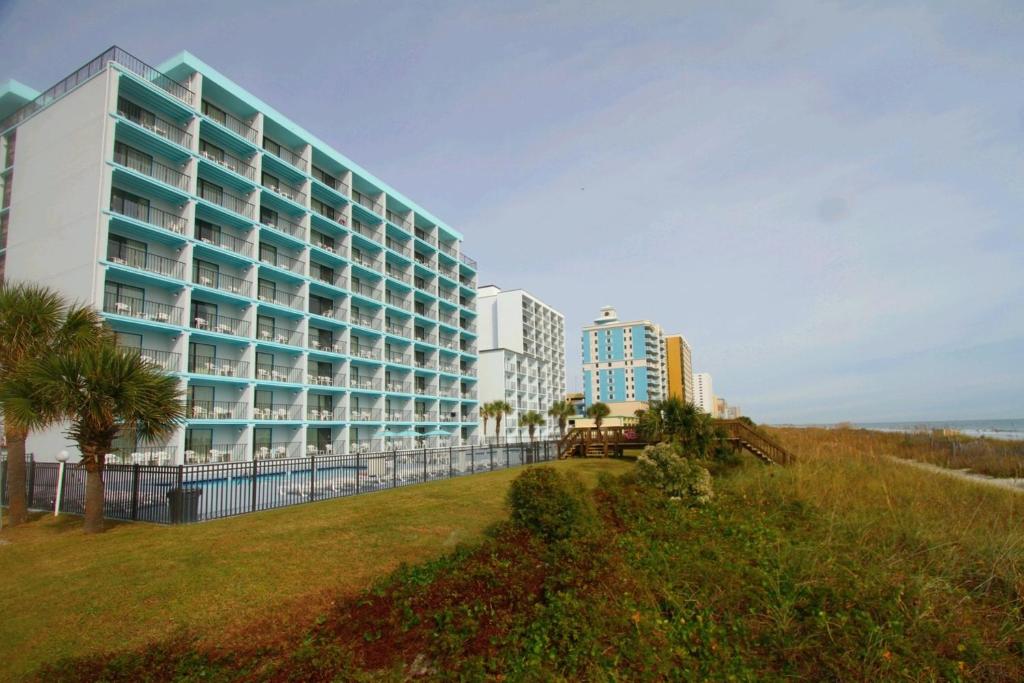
[662, 467]
[549, 504]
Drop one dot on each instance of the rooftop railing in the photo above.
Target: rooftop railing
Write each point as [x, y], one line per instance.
[86, 72]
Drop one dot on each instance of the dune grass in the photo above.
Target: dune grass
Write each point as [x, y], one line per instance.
[843, 566]
[68, 594]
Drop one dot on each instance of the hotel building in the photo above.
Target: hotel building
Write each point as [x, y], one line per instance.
[703, 392]
[306, 306]
[522, 356]
[679, 367]
[624, 363]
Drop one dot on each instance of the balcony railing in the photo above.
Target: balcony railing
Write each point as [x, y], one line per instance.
[450, 368]
[141, 259]
[323, 380]
[399, 247]
[229, 242]
[208, 277]
[156, 124]
[325, 414]
[221, 367]
[448, 248]
[276, 411]
[329, 247]
[288, 192]
[363, 320]
[272, 372]
[284, 225]
[165, 360]
[367, 202]
[280, 334]
[274, 295]
[399, 275]
[401, 358]
[336, 313]
[426, 417]
[468, 261]
[142, 309]
[153, 169]
[366, 290]
[215, 410]
[364, 415]
[398, 330]
[232, 123]
[426, 237]
[449, 320]
[153, 216]
[232, 163]
[468, 372]
[277, 451]
[365, 352]
[286, 155]
[143, 455]
[226, 452]
[281, 261]
[332, 346]
[329, 212]
[397, 219]
[398, 415]
[230, 202]
[330, 181]
[221, 324]
[447, 272]
[425, 261]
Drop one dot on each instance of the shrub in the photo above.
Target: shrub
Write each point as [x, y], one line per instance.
[663, 468]
[551, 505]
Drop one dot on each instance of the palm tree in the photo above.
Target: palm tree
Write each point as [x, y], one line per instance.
[102, 392]
[499, 409]
[35, 322]
[531, 419]
[598, 412]
[562, 411]
[485, 414]
[675, 420]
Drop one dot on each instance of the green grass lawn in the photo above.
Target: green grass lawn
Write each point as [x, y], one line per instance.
[70, 594]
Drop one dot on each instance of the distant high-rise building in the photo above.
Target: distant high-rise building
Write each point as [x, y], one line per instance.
[703, 393]
[733, 412]
[624, 363]
[679, 367]
[721, 407]
[522, 355]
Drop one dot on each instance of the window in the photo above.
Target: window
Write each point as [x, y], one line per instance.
[264, 327]
[126, 251]
[205, 273]
[201, 358]
[268, 217]
[271, 146]
[261, 441]
[320, 306]
[198, 442]
[132, 158]
[264, 361]
[271, 181]
[215, 113]
[204, 315]
[211, 151]
[207, 232]
[126, 295]
[263, 399]
[268, 253]
[266, 289]
[134, 112]
[211, 192]
[129, 204]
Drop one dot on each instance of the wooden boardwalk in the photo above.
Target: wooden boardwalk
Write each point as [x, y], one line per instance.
[591, 442]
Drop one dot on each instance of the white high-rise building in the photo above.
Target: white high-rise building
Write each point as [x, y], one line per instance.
[522, 356]
[703, 393]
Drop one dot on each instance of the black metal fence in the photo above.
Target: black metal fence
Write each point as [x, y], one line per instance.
[193, 493]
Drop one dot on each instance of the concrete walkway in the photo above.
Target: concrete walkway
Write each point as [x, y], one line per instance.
[965, 475]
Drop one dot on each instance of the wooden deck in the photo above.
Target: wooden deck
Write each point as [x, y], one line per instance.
[591, 442]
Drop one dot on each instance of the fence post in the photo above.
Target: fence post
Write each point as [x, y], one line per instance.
[508, 460]
[492, 461]
[424, 464]
[3, 481]
[255, 470]
[136, 472]
[450, 460]
[31, 479]
[394, 469]
[312, 478]
[357, 471]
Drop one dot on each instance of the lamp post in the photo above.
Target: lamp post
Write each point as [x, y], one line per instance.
[62, 458]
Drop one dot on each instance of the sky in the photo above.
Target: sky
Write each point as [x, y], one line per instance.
[826, 199]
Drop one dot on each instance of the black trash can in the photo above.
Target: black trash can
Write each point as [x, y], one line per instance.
[184, 504]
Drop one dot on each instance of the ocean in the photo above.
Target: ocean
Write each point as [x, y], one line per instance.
[993, 429]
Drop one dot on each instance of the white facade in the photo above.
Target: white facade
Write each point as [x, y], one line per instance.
[522, 356]
[703, 392]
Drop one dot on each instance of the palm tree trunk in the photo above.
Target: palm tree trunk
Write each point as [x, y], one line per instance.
[94, 496]
[17, 510]
[497, 430]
